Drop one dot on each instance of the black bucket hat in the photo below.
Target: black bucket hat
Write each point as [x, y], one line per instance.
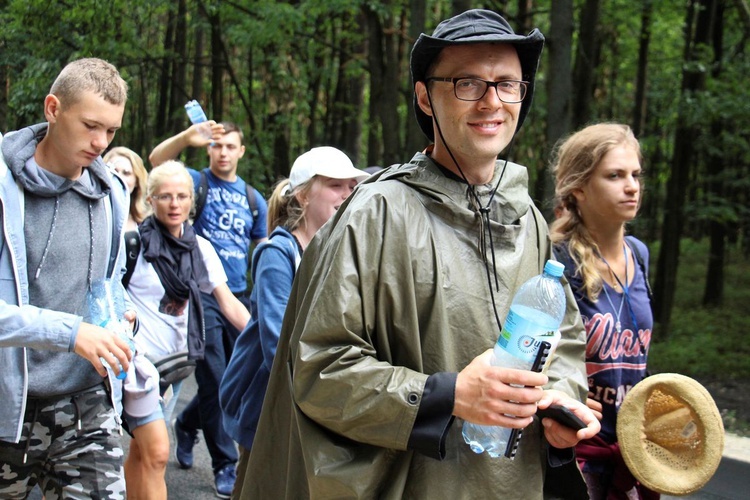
[475, 26]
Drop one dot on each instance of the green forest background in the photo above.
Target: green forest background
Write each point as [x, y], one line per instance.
[299, 74]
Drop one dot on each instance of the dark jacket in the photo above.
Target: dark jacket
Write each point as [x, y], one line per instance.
[244, 383]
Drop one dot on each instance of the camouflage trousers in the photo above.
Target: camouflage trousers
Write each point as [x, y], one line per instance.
[70, 446]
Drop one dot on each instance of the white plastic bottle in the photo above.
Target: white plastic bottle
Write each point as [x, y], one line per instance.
[106, 308]
[197, 115]
[535, 315]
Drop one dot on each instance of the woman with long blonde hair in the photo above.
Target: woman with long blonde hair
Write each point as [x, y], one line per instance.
[598, 191]
[129, 165]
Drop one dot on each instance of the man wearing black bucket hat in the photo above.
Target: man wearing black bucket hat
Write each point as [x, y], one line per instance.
[381, 357]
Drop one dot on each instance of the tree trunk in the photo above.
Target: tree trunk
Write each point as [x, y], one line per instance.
[713, 293]
[525, 14]
[178, 94]
[313, 93]
[559, 89]
[217, 69]
[388, 105]
[197, 82]
[165, 78]
[693, 80]
[415, 139]
[650, 207]
[143, 139]
[375, 63]
[458, 6]
[639, 106]
[348, 112]
[587, 54]
[249, 88]
[282, 162]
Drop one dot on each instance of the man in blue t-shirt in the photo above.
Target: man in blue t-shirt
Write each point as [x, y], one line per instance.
[226, 219]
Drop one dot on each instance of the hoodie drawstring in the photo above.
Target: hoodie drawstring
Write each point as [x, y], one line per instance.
[52, 232]
[49, 238]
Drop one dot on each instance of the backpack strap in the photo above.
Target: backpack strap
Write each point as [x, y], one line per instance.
[132, 250]
[201, 194]
[251, 200]
[644, 269]
[561, 256]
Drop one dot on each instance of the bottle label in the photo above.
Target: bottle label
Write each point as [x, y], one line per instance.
[521, 337]
[195, 112]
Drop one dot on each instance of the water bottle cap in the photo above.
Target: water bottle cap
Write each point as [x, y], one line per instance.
[554, 268]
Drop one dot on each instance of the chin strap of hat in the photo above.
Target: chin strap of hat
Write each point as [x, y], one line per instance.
[483, 211]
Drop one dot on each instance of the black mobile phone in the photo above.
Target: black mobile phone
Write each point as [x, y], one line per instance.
[563, 415]
[515, 435]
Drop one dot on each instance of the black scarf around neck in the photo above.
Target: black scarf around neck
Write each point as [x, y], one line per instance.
[179, 264]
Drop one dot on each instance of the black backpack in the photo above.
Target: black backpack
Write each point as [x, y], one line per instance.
[132, 250]
[201, 193]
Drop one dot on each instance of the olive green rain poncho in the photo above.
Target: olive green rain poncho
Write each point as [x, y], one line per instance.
[393, 289]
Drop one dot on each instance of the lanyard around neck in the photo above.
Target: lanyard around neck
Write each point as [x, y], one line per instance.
[626, 294]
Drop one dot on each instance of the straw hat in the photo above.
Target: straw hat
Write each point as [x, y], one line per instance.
[670, 433]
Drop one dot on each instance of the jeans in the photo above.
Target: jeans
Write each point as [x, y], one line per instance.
[203, 411]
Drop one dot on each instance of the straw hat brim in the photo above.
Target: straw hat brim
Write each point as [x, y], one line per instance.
[677, 452]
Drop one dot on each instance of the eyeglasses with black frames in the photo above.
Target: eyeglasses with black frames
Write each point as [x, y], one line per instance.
[473, 89]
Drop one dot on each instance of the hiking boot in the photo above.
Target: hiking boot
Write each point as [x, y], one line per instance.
[184, 442]
[224, 481]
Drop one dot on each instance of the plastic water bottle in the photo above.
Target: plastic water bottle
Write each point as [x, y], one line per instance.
[106, 308]
[197, 115]
[535, 315]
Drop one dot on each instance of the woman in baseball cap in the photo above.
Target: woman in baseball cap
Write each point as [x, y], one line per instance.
[319, 183]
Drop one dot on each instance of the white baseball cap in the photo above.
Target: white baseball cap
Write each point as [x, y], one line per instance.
[325, 161]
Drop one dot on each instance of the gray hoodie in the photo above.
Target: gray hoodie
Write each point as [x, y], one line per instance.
[62, 221]
[24, 324]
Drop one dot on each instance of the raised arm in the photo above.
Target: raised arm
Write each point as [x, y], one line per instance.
[171, 148]
[234, 310]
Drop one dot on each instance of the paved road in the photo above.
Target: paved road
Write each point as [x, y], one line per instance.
[196, 483]
[731, 481]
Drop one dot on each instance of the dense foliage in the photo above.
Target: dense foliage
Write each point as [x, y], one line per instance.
[311, 72]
